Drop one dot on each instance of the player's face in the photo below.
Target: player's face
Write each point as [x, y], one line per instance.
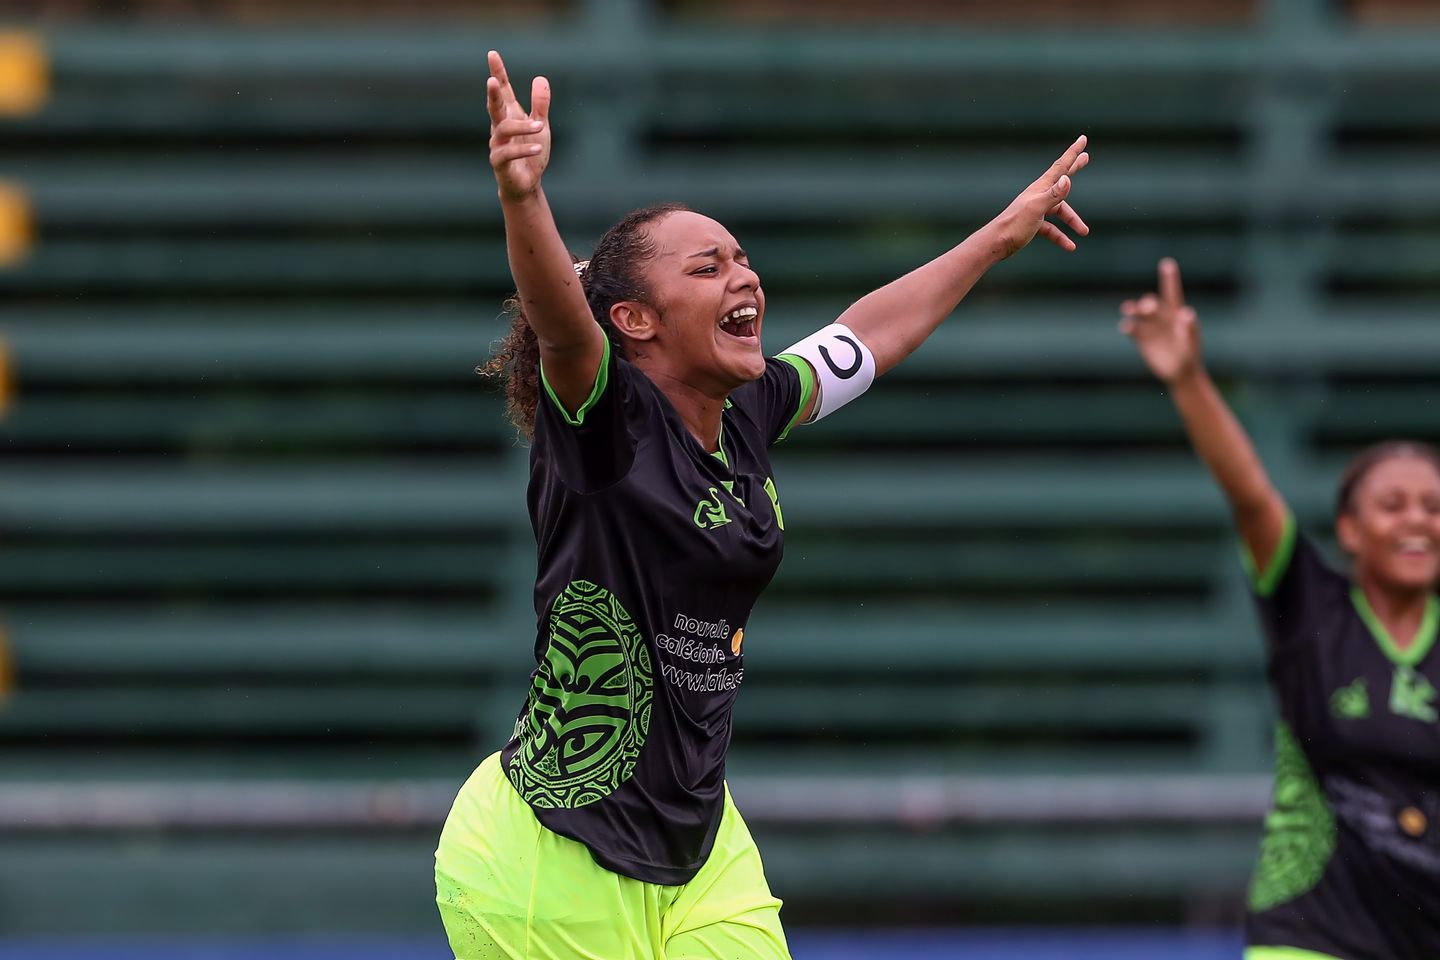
[709, 300]
[1393, 529]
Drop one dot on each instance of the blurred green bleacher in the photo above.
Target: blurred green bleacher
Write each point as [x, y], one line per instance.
[259, 520]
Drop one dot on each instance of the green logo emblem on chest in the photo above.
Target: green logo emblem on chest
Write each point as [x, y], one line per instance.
[1351, 702]
[710, 512]
[1412, 695]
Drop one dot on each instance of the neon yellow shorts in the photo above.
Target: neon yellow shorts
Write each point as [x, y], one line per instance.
[509, 889]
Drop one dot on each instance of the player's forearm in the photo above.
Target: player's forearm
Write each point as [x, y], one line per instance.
[895, 319]
[545, 279]
[1222, 444]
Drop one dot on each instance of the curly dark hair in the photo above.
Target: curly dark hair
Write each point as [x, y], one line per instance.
[612, 276]
[1371, 457]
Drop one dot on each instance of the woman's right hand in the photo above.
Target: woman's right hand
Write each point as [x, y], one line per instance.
[1166, 331]
[519, 141]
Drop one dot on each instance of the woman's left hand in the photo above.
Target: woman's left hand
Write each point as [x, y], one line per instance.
[1025, 217]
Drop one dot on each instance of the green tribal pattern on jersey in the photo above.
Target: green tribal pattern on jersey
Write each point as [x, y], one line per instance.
[1299, 832]
[589, 707]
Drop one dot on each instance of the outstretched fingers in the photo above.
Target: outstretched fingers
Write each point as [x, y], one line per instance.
[499, 94]
[512, 127]
[514, 151]
[497, 70]
[1071, 219]
[540, 100]
[507, 140]
[1145, 308]
[1056, 236]
[1171, 292]
[495, 102]
[1068, 159]
[1128, 322]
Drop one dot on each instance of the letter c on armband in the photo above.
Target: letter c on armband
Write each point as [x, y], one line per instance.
[843, 365]
[849, 371]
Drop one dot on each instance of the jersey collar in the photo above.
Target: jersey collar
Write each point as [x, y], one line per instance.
[719, 452]
[1424, 637]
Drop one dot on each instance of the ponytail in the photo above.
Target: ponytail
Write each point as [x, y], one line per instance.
[612, 275]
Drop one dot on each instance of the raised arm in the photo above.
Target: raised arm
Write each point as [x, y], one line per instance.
[571, 342]
[895, 319]
[1167, 333]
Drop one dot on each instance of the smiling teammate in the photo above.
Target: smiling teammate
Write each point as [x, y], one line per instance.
[604, 829]
[1350, 863]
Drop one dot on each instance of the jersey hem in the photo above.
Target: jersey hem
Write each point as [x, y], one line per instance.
[602, 377]
[665, 876]
[1265, 581]
[807, 389]
[646, 872]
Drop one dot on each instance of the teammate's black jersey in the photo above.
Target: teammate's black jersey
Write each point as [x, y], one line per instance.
[652, 552]
[1350, 862]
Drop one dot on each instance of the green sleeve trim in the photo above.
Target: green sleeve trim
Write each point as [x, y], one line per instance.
[602, 376]
[807, 389]
[1285, 953]
[1265, 581]
[1424, 637]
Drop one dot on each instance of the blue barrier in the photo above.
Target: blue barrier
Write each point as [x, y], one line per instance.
[805, 945]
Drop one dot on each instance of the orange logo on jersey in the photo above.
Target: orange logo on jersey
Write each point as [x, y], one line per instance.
[1413, 822]
[736, 640]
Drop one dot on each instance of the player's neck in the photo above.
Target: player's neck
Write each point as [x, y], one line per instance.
[700, 410]
[1400, 610]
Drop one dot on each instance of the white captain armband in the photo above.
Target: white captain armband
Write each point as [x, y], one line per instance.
[844, 367]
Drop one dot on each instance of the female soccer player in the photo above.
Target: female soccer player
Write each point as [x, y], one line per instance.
[1350, 863]
[603, 829]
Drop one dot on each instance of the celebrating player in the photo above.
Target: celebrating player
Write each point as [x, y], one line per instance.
[604, 829]
[1350, 862]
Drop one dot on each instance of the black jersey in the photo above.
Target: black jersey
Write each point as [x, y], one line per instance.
[651, 553]
[1350, 861]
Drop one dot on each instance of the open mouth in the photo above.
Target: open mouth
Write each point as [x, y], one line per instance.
[740, 322]
[1416, 547]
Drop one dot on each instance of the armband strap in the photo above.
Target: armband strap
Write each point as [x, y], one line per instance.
[844, 367]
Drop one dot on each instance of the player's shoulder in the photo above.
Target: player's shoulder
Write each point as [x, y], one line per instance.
[784, 377]
[1314, 568]
[1298, 587]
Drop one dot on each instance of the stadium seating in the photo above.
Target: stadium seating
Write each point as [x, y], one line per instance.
[259, 518]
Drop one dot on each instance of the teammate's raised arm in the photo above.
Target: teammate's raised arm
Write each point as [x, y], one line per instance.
[571, 343]
[1167, 333]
